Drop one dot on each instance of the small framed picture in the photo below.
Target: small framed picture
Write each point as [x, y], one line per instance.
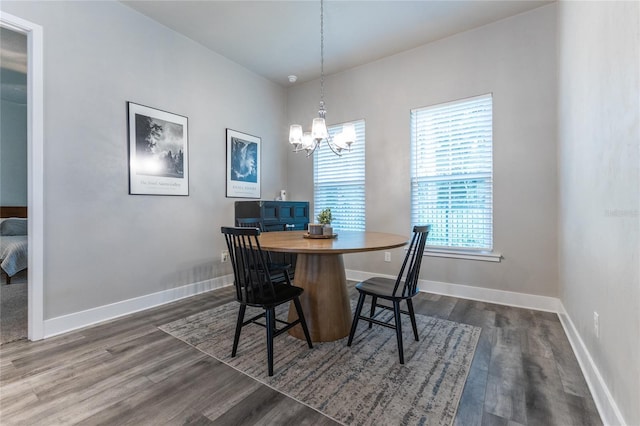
[243, 165]
[158, 152]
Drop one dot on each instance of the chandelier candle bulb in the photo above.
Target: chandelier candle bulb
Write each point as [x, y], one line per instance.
[319, 129]
[295, 135]
[340, 141]
[307, 141]
[349, 132]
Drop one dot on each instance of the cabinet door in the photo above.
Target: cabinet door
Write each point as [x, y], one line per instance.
[293, 211]
[269, 213]
[286, 212]
[293, 215]
[301, 212]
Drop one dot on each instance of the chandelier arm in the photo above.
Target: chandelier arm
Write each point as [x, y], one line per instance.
[315, 146]
[329, 144]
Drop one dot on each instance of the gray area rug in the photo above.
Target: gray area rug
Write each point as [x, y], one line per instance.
[13, 312]
[363, 384]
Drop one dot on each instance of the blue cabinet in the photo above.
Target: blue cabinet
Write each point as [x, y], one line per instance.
[275, 215]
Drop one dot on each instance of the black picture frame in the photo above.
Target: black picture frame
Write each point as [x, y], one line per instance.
[243, 165]
[158, 151]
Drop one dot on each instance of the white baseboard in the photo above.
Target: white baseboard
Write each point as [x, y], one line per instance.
[76, 320]
[501, 297]
[607, 407]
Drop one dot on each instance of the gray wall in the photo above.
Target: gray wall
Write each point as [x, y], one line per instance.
[101, 244]
[13, 118]
[13, 153]
[599, 144]
[515, 59]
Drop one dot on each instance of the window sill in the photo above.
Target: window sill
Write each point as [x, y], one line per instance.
[486, 256]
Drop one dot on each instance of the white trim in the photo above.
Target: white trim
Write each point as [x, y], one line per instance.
[76, 320]
[606, 404]
[501, 297]
[487, 256]
[35, 167]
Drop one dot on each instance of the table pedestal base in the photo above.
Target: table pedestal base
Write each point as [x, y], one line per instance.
[325, 300]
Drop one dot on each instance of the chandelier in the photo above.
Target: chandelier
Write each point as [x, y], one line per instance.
[310, 141]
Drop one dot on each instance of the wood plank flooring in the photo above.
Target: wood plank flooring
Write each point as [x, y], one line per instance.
[126, 371]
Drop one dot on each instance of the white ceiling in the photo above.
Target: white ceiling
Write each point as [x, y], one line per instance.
[279, 38]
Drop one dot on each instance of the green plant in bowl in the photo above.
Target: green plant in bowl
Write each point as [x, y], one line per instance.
[325, 217]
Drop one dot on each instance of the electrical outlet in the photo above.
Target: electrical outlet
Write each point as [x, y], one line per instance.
[596, 324]
[224, 256]
[387, 256]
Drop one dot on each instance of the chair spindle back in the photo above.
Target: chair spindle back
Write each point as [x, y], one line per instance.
[250, 267]
[412, 262]
[249, 222]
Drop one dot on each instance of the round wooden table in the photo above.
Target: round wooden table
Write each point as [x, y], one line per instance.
[320, 272]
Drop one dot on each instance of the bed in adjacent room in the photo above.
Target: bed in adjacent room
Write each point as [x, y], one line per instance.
[13, 243]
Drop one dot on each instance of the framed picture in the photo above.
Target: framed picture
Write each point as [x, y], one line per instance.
[243, 165]
[158, 152]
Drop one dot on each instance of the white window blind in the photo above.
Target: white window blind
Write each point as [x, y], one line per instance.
[339, 181]
[452, 173]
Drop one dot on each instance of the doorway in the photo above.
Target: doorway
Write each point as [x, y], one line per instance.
[13, 185]
[35, 169]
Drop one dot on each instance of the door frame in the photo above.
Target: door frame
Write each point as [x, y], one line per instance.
[35, 168]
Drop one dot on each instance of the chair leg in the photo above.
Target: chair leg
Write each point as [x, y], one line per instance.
[303, 322]
[270, 316]
[236, 338]
[356, 317]
[412, 315]
[396, 314]
[374, 301]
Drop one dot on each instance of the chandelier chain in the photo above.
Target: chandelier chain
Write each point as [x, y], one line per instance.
[322, 54]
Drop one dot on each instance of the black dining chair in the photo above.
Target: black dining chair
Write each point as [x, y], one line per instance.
[404, 287]
[255, 287]
[278, 267]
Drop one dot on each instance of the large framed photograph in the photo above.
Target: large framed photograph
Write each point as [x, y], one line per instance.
[158, 152]
[243, 165]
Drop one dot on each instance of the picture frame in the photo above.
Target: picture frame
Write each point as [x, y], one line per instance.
[158, 151]
[243, 165]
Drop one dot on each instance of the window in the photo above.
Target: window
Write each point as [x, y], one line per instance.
[452, 173]
[339, 182]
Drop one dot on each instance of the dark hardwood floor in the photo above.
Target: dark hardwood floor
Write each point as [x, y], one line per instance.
[126, 371]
